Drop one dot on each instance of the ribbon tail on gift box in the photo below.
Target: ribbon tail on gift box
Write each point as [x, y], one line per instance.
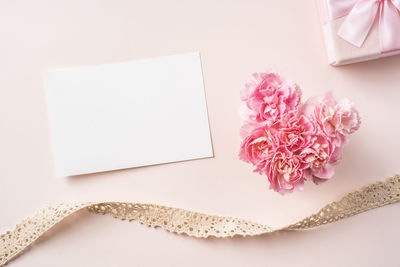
[389, 26]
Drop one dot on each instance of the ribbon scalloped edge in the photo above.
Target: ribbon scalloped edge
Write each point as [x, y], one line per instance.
[193, 224]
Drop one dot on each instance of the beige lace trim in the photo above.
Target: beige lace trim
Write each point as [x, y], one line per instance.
[192, 223]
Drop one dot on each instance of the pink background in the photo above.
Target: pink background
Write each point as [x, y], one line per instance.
[235, 38]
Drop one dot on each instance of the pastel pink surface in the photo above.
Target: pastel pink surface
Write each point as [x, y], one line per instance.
[235, 38]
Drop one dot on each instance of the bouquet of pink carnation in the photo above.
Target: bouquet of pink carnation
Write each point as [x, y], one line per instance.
[289, 141]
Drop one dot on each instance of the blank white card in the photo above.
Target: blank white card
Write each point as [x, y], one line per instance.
[129, 114]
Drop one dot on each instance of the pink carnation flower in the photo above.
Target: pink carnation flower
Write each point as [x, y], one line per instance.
[290, 143]
[258, 145]
[269, 97]
[297, 132]
[337, 119]
[285, 171]
[319, 156]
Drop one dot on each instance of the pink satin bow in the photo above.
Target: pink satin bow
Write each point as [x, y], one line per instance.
[361, 17]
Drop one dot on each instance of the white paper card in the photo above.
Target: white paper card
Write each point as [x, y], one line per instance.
[129, 114]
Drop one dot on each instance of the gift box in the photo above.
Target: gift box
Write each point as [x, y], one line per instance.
[360, 30]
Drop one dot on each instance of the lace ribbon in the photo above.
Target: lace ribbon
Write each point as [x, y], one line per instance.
[192, 223]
